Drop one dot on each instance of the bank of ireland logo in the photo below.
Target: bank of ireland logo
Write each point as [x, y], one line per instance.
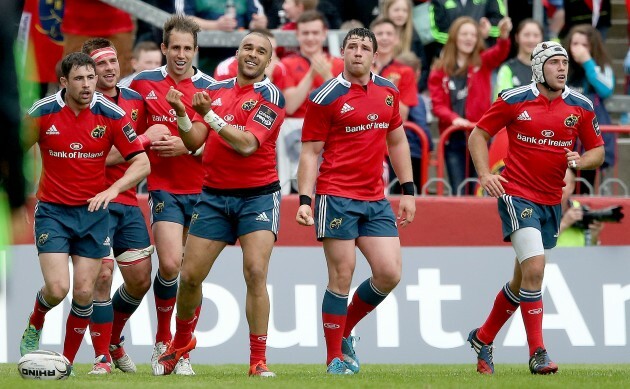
[372, 117]
[547, 133]
[527, 213]
[42, 239]
[335, 223]
[228, 118]
[571, 120]
[159, 207]
[389, 100]
[76, 146]
[98, 132]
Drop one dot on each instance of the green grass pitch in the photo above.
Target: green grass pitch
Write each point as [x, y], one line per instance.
[313, 376]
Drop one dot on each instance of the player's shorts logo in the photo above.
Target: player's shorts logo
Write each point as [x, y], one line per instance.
[571, 120]
[194, 218]
[335, 223]
[98, 132]
[134, 114]
[159, 207]
[527, 212]
[42, 239]
[249, 105]
[389, 100]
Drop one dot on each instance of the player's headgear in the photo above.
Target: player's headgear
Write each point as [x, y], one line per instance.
[542, 52]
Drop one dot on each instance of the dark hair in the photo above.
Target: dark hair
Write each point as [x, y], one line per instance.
[382, 20]
[527, 21]
[96, 43]
[180, 23]
[596, 49]
[311, 16]
[75, 60]
[144, 46]
[361, 32]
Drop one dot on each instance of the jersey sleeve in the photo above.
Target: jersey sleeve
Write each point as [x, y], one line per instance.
[588, 131]
[317, 122]
[396, 120]
[264, 121]
[125, 138]
[497, 117]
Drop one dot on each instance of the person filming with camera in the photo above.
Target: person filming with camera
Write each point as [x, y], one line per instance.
[579, 225]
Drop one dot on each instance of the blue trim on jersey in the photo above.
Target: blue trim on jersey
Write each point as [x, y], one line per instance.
[328, 92]
[45, 106]
[271, 93]
[150, 75]
[102, 106]
[519, 94]
[203, 81]
[577, 99]
[129, 94]
[382, 81]
[227, 84]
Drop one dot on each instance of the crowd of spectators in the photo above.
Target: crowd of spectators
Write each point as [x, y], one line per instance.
[442, 80]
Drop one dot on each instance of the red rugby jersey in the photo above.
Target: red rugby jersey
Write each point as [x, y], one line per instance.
[403, 77]
[296, 68]
[538, 131]
[257, 108]
[182, 174]
[133, 105]
[353, 121]
[74, 147]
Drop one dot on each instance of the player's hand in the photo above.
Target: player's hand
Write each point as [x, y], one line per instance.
[580, 53]
[491, 183]
[157, 132]
[202, 103]
[305, 215]
[169, 146]
[103, 198]
[505, 26]
[573, 158]
[174, 98]
[406, 210]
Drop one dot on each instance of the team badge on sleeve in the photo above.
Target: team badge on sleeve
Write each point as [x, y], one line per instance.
[249, 105]
[134, 114]
[571, 120]
[598, 132]
[130, 133]
[265, 116]
[389, 100]
[98, 132]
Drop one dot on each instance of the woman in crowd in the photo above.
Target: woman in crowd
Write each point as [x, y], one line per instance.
[460, 87]
[591, 73]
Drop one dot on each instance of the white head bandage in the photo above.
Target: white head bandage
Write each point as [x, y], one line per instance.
[542, 52]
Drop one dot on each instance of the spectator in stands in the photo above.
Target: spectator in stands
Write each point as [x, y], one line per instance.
[444, 12]
[459, 86]
[351, 24]
[417, 115]
[591, 73]
[400, 12]
[214, 15]
[305, 71]
[571, 234]
[518, 70]
[228, 68]
[83, 20]
[595, 13]
[553, 17]
[146, 56]
[293, 9]
[148, 32]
